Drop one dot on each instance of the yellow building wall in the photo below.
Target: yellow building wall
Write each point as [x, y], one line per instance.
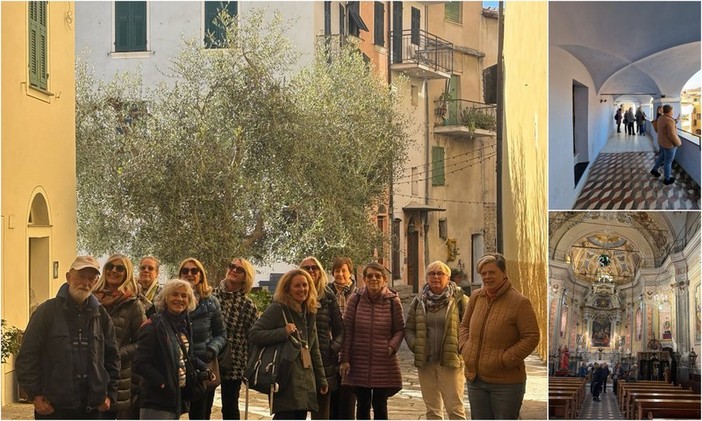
[38, 157]
[524, 212]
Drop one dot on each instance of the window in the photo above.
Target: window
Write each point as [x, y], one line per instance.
[356, 24]
[416, 17]
[215, 34]
[437, 166]
[130, 26]
[342, 20]
[38, 75]
[414, 96]
[327, 17]
[379, 24]
[453, 11]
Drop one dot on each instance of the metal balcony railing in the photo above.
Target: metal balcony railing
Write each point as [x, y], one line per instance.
[422, 48]
[462, 112]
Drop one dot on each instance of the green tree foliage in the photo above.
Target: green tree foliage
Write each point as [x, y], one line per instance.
[11, 341]
[237, 156]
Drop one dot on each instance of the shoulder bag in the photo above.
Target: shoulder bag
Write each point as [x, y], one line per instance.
[194, 389]
[268, 368]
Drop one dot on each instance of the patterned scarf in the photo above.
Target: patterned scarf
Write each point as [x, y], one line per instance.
[435, 302]
[341, 292]
[179, 323]
[110, 299]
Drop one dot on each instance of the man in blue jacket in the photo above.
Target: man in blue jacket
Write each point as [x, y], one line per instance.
[69, 361]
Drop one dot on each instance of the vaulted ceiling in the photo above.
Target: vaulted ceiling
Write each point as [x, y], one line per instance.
[630, 48]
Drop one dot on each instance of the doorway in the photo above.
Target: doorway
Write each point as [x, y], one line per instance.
[581, 154]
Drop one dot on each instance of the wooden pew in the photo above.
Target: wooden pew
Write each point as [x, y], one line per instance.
[679, 413]
[662, 387]
[634, 395]
[622, 384]
[561, 406]
[644, 406]
[566, 395]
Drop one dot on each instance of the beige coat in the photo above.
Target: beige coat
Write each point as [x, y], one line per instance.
[496, 335]
[667, 132]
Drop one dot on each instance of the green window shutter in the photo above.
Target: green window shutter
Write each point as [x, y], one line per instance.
[212, 8]
[38, 74]
[452, 11]
[379, 24]
[130, 26]
[437, 166]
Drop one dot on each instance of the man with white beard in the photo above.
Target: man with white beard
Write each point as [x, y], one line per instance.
[69, 361]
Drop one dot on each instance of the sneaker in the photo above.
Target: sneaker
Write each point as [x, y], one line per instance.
[669, 181]
[655, 173]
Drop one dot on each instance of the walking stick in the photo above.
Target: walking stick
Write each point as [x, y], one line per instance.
[246, 405]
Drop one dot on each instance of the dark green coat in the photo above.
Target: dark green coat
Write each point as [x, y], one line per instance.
[300, 394]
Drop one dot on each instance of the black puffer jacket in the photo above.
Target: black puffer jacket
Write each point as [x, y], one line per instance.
[330, 331]
[208, 327]
[127, 317]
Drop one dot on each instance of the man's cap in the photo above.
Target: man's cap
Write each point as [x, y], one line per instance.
[83, 262]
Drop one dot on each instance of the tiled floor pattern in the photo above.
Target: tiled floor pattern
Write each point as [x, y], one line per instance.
[622, 181]
[605, 409]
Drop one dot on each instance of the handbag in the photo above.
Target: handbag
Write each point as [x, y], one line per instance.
[268, 368]
[211, 385]
[194, 388]
[225, 359]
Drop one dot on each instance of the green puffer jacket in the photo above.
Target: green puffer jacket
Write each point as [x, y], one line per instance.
[416, 330]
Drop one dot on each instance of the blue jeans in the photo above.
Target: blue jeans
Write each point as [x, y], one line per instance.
[665, 158]
[490, 401]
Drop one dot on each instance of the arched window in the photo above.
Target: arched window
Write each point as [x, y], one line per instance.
[39, 212]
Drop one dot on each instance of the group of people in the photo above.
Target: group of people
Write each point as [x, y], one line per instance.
[598, 375]
[110, 346]
[628, 117]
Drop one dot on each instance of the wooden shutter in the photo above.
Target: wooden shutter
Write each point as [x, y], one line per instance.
[452, 11]
[327, 17]
[130, 26]
[379, 24]
[212, 9]
[38, 66]
[437, 166]
[416, 16]
[342, 20]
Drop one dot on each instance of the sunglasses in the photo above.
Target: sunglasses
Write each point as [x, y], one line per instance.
[145, 267]
[313, 268]
[193, 271]
[118, 268]
[235, 268]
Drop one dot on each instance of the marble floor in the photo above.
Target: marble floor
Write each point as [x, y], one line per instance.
[620, 179]
[605, 409]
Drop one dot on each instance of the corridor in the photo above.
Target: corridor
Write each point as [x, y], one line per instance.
[620, 179]
[605, 409]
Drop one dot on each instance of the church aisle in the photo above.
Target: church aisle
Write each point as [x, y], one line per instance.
[605, 409]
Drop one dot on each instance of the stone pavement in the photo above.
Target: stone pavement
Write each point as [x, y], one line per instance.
[406, 405]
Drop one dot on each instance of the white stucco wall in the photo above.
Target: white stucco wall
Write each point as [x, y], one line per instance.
[168, 23]
[564, 69]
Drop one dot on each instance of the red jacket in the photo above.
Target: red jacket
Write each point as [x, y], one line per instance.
[372, 326]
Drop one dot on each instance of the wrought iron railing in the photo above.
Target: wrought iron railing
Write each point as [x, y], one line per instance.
[421, 47]
[462, 112]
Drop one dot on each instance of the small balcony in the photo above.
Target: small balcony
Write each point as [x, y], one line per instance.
[464, 118]
[421, 54]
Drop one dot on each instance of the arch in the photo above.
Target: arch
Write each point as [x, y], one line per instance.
[39, 214]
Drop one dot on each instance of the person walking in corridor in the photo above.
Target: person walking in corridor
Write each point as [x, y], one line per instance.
[630, 121]
[668, 141]
[498, 331]
[641, 121]
[618, 116]
[431, 333]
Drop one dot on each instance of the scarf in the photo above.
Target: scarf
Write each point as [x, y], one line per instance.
[341, 292]
[435, 302]
[111, 299]
[179, 323]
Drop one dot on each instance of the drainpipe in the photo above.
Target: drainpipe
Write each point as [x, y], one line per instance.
[500, 113]
[427, 159]
[391, 202]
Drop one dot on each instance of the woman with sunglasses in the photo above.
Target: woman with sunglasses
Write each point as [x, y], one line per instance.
[239, 314]
[291, 316]
[117, 291]
[209, 334]
[330, 332]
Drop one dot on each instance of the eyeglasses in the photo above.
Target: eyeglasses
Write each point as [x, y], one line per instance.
[146, 267]
[119, 268]
[193, 271]
[374, 276]
[235, 268]
[437, 274]
[312, 268]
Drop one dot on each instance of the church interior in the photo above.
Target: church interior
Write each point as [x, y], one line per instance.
[624, 289]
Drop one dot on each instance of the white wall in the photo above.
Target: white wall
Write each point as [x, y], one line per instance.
[564, 68]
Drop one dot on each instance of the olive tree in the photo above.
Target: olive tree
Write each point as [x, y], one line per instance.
[234, 155]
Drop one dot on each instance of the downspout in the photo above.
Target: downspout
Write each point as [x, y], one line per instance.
[427, 159]
[500, 122]
[391, 202]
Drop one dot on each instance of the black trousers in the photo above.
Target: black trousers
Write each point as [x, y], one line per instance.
[376, 397]
[230, 399]
[342, 404]
[290, 415]
[202, 408]
[69, 414]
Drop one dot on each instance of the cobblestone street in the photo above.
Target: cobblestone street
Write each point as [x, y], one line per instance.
[406, 405]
